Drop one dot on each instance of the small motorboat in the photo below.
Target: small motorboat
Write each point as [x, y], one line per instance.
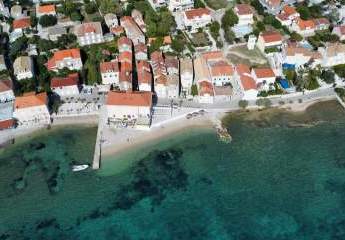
[77, 168]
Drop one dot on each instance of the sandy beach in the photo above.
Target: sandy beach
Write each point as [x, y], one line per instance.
[120, 140]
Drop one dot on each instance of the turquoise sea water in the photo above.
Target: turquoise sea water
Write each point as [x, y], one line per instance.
[282, 177]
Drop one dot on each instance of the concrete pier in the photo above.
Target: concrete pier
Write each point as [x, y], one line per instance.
[97, 156]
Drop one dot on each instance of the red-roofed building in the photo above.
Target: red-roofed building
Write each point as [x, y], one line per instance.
[42, 10]
[89, 33]
[124, 44]
[7, 99]
[7, 124]
[206, 92]
[159, 74]
[129, 109]
[110, 73]
[196, 18]
[287, 16]
[263, 76]
[132, 30]
[269, 39]
[20, 24]
[248, 84]
[65, 86]
[31, 110]
[244, 13]
[117, 30]
[221, 73]
[144, 76]
[140, 51]
[69, 58]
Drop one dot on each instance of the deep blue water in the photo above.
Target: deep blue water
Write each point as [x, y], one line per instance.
[282, 177]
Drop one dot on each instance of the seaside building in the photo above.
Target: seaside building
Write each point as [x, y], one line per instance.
[196, 18]
[263, 76]
[69, 58]
[31, 110]
[248, 84]
[144, 76]
[129, 109]
[221, 73]
[65, 86]
[245, 14]
[132, 30]
[203, 80]
[89, 33]
[186, 75]
[23, 68]
[7, 99]
[110, 73]
[159, 74]
[298, 56]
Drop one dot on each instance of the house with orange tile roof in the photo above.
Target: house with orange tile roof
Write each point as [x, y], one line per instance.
[203, 80]
[180, 5]
[144, 76]
[129, 109]
[196, 18]
[298, 56]
[89, 33]
[288, 15]
[19, 25]
[206, 92]
[124, 44]
[248, 84]
[263, 76]
[117, 30]
[244, 13]
[186, 76]
[23, 68]
[132, 30]
[159, 74]
[7, 99]
[221, 73]
[140, 51]
[65, 86]
[31, 110]
[269, 39]
[339, 31]
[110, 73]
[42, 10]
[305, 28]
[69, 58]
[332, 54]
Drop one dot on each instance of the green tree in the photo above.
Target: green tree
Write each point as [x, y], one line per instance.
[243, 104]
[258, 7]
[194, 90]
[90, 8]
[260, 26]
[340, 70]
[177, 45]
[19, 45]
[214, 30]
[296, 37]
[33, 20]
[47, 20]
[76, 16]
[107, 6]
[68, 7]
[198, 4]
[328, 76]
[229, 19]
[304, 12]
[264, 102]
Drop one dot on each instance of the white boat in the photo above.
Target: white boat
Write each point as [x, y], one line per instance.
[77, 168]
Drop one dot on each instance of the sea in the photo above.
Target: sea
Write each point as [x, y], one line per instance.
[282, 177]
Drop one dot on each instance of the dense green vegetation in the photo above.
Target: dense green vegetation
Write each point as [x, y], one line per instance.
[47, 20]
[340, 70]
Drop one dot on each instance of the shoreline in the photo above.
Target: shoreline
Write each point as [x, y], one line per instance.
[119, 141]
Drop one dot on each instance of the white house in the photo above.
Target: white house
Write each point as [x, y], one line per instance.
[111, 20]
[186, 75]
[31, 110]
[65, 86]
[42, 10]
[196, 18]
[23, 67]
[17, 12]
[288, 15]
[158, 3]
[180, 5]
[110, 73]
[173, 85]
[89, 33]
[144, 76]
[340, 32]
[129, 109]
[306, 28]
[332, 54]
[244, 13]
[263, 76]
[69, 58]
[6, 103]
[269, 39]
[19, 25]
[248, 84]
[172, 65]
[159, 74]
[221, 73]
[299, 56]
[132, 30]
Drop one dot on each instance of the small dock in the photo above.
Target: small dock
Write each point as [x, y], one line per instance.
[97, 156]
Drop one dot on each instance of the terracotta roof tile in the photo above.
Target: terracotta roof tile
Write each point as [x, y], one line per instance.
[264, 72]
[206, 87]
[46, 8]
[6, 124]
[109, 67]
[198, 12]
[70, 80]
[130, 99]
[21, 23]
[31, 100]
[243, 9]
[271, 36]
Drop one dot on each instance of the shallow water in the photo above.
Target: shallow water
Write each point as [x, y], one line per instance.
[274, 181]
